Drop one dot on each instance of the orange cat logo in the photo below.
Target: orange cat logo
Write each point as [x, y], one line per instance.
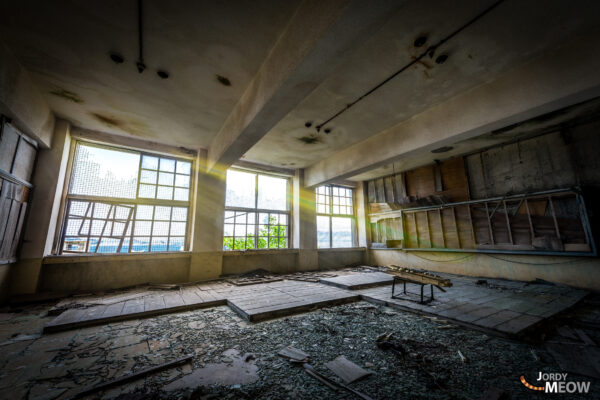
[529, 385]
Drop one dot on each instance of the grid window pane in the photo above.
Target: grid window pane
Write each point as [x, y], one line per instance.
[149, 162]
[272, 193]
[323, 232]
[177, 228]
[162, 213]
[165, 178]
[182, 181]
[184, 167]
[240, 189]
[160, 228]
[108, 227]
[159, 244]
[144, 212]
[140, 244]
[164, 193]
[148, 176]
[167, 165]
[176, 243]
[333, 231]
[147, 191]
[245, 229]
[341, 232]
[179, 214]
[103, 172]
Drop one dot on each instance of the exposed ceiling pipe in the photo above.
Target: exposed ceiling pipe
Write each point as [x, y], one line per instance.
[429, 51]
[140, 62]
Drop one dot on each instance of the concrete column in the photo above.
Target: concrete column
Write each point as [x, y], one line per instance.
[362, 215]
[208, 214]
[44, 206]
[305, 223]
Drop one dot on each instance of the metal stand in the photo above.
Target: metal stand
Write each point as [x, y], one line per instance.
[404, 281]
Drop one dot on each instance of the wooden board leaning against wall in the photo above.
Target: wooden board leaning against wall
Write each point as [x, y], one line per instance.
[432, 208]
[17, 157]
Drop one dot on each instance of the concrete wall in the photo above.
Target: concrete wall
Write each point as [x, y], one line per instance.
[4, 282]
[575, 271]
[77, 273]
[279, 261]
[336, 258]
[93, 272]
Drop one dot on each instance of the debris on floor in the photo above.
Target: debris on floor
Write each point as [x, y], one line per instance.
[347, 370]
[233, 358]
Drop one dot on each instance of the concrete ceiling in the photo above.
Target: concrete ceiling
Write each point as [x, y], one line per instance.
[508, 36]
[65, 45]
[559, 120]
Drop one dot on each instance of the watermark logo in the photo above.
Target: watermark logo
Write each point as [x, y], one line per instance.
[556, 382]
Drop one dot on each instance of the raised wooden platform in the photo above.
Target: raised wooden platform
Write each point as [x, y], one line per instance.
[504, 308]
[277, 299]
[253, 302]
[144, 304]
[359, 281]
[500, 307]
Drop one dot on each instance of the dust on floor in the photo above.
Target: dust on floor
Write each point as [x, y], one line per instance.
[234, 359]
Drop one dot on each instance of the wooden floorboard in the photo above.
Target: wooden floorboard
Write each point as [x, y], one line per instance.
[503, 308]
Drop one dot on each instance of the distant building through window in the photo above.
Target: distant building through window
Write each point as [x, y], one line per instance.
[256, 211]
[125, 201]
[335, 217]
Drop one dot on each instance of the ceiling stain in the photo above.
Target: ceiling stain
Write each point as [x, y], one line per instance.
[132, 127]
[110, 121]
[310, 139]
[67, 95]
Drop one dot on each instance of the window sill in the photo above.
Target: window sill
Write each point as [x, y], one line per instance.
[258, 252]
[336, 249]
[77, 258]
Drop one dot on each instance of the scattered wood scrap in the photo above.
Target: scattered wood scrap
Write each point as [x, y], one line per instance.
[418, 276]
[254, 277]
[463, 358]
[132, 376]
[297, 356]
[163, 286]
[292, 353]
[308, 276]
[252, 281]
[347, 370]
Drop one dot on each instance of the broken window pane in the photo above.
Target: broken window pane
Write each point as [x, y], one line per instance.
[108, 227]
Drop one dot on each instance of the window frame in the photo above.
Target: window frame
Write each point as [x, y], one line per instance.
[330, 214]
[67, 198]
[257, 211]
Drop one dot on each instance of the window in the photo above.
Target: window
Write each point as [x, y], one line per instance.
[335, 217]
[256, 211]
[124, 201]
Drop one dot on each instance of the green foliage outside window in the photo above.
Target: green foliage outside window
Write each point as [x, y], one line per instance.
[272, 236]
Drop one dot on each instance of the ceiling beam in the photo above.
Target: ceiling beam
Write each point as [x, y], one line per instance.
[559, 78]
[307, 52]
